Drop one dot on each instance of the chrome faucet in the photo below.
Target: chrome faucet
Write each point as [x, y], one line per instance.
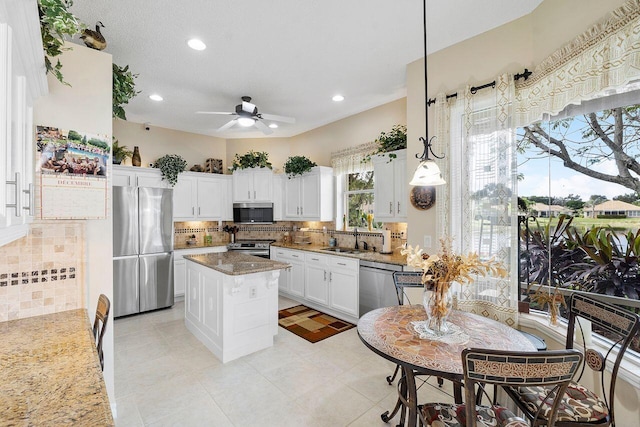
[355, 233]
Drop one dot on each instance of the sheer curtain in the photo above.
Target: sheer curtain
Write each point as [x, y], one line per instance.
[481, 209]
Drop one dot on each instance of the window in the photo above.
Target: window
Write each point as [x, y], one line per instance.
[581, 165]
[358, 198]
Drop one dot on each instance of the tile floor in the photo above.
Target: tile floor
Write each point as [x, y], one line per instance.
[166, 377]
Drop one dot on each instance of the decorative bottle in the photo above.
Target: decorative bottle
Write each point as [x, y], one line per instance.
[135, 159]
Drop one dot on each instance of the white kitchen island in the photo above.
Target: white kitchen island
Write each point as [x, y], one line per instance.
[231, 302]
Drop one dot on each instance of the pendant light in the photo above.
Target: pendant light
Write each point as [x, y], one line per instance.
[427, 172]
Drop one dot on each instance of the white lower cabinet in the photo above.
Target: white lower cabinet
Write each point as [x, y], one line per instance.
[326, 282]
[316, 278]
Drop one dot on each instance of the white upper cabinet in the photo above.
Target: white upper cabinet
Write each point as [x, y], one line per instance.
[129, 176]
[198, 196]
[22, 81]
[391, 189]
[253, 185]
[310, 196]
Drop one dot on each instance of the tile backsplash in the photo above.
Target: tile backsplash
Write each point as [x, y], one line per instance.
[41, 273]
[317, 233]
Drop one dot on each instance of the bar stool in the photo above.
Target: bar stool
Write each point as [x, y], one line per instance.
[100, 324]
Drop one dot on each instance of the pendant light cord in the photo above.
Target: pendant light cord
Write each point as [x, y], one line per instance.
[426, 92]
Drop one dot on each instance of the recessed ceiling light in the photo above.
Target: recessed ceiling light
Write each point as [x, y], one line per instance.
[338, 98]
[273, 126]
[196, 44]
[155, 97]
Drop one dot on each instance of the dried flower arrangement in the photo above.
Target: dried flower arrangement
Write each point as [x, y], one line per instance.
[440, 270]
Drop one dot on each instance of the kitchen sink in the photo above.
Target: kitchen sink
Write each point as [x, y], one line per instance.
[342, 250]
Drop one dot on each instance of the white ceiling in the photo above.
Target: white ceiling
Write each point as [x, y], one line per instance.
[291, 56]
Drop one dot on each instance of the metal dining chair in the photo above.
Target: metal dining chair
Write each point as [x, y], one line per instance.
[552, 370]
[402, 280]
[100, 324]
[581, 406]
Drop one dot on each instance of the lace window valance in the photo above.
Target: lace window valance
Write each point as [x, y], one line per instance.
[353, 159]
[604, 58]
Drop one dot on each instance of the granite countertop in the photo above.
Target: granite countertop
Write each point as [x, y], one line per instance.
[235, 264]
[50, 373]
[200, 246]
[395, 258]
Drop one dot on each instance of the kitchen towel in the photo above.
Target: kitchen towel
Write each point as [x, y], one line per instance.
[386, 241]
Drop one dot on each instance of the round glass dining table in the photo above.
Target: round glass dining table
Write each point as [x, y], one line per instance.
[391, 333]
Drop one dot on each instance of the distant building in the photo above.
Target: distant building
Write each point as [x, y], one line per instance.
[612, 207]
[541, 210]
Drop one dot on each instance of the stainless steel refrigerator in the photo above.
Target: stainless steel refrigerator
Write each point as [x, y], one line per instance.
[142, 249]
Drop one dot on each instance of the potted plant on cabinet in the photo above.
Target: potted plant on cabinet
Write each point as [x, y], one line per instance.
[251, 159]
[119, 153]
[171, 165]
[396, 139]
[297, 165]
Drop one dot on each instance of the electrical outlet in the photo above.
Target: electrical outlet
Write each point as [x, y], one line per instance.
[427, 241]
[253, 292]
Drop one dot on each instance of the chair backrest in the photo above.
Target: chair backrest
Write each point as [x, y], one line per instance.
[617, 325]
[100, 324]
[406, 279]
[552, 369]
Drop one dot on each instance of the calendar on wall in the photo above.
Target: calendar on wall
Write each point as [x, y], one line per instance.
[72, 167]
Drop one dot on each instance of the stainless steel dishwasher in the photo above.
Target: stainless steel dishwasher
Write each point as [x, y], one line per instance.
[376, 285]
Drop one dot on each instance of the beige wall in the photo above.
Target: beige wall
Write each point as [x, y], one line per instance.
[156, 142]
[509, 48]
[86, 106]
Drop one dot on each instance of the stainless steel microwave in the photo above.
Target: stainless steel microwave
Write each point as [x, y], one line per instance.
[253, 213]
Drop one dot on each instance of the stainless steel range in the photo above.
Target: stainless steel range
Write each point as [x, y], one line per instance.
[252, 247]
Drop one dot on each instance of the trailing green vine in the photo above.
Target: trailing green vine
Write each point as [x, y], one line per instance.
[297, 165]
[251, 159]
[171, 165]
[124, 89]
[396, 139]
[56, 23]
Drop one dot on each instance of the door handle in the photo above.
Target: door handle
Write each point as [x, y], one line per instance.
[137, 181]
[32, 200]
[254, 194]
[325, 275]
[248, 194]
[129, 181]
[330, 276]
[297, 210]
[301, 211]
[398, 207]
[193, 212]
[198, 210]
[17, 186]
[390, 207]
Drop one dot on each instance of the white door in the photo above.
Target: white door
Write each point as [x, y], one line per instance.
[184, 198]
[292, 198]
[123, 178]
[262, 185]
[383, 189]
[242, 186]
[401, 184]
[210, 198]
[179, 277]
[296, 278]
[317, 284]
[344, 291]
[152, 178]
[310, 196]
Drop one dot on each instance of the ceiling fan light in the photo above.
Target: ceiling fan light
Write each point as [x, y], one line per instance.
[427, 173]
[246, 122]
[273, 126]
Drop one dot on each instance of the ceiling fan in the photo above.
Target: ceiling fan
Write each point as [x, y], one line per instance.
[247, 115]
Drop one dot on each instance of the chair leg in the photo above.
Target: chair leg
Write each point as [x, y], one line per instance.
[440, 382]
[392, 378]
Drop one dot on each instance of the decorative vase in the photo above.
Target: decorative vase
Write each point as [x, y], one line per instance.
[437, 302]
[135, 159]
[554, 312]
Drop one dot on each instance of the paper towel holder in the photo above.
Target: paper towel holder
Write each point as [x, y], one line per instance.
[382, 251]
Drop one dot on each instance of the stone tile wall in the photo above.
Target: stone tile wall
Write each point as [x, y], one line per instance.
[42, 272]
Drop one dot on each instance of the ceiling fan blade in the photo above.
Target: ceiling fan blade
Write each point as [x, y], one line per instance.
[226, 113]
[227, 125]
[263, 128]
[248, 107]
[276, 118]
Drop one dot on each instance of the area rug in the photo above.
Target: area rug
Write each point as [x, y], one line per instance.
[310, 324]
